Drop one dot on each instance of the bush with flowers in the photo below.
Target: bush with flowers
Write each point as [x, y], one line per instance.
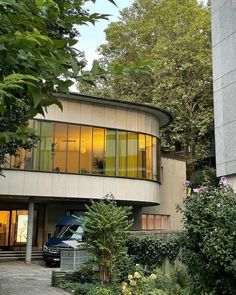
[139, 284]
[175, 282]
[209, 240]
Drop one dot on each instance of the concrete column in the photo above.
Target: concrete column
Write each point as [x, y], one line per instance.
[30, 231]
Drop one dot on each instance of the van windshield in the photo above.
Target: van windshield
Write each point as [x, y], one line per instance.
[74, 232]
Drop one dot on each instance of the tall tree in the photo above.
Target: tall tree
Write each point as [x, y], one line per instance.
[37, 58]
[173, 37]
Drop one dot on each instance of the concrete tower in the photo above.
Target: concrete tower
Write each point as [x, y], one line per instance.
[224, 77]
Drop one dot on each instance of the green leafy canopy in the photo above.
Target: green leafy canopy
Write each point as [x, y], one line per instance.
[171, 42]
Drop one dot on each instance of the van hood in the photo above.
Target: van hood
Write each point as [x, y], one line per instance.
[62, 243]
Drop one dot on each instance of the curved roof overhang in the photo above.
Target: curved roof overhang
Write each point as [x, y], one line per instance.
[165, 118]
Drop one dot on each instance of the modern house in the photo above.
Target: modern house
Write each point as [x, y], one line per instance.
[224, 78]
[92, 148]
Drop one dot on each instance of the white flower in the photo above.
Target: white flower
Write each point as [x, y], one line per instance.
[133, 283]
[152, 276]
[130, 277]
[137, 275]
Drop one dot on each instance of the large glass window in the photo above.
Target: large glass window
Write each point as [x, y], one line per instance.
[149, 156]
[36, 149]
[73, 143]
[110, 152]
[132, 155]
[60, 147]
[154, 157]
[47, 146]
[98, 151]
[141, 156]
[86, 150]
[121, 164]
[71, 148]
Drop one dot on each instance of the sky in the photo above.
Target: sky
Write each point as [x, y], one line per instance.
[93, 36]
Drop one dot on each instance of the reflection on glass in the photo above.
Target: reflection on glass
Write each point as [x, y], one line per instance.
[141, 156]
[36, 149]
[4, 227]
[148, 157]
[28, 161]
[80, 149]
[19, 224]
[7, 163]
[132, 154]
[121, 153]
[46, 146]
[73, 148]
[60, 147]
[158, 160]
[21, 230]
[18, 161]
[154, 157]
[98, 151]
[85, 149]
[110, 153]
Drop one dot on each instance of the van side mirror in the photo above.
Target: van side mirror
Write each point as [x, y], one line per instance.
[49, 235]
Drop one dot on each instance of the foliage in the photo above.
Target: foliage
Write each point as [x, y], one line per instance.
[209, 240]
[206, 176]
[78, 288]
[17, 116]
[176, 282]
[150, 252]
[108, 290]
[86, 274]
[123, 265]
[89, 288]
[172, 39]
[37, 58]
[106, 227]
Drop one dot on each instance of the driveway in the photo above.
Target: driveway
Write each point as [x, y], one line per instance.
[18, 278]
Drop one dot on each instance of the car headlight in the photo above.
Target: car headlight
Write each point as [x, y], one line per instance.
[45, 248]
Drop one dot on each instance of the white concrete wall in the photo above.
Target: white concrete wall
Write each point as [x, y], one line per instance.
[224, 77]
[43, 184]
[103, 116]
[172, 191]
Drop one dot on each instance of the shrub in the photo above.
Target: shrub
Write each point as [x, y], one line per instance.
[209, 240]
[203, 177]
[86, 274]
[123, 265]
[101, 290]
[106, 227]
[77, 288]
[176, 282]
[150, 251]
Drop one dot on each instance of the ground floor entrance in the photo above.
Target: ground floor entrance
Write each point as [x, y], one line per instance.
[13, 228]
[16, 215]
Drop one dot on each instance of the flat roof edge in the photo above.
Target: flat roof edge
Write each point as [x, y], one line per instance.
[164, 116]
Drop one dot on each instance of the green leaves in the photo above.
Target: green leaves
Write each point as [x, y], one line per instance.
[150, 251]
[106, 226]
[209, 241]
[37, 58]
[156, 54]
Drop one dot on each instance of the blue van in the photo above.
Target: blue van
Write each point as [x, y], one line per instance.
[69, 233]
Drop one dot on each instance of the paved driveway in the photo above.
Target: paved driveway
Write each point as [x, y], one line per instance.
[18, 278]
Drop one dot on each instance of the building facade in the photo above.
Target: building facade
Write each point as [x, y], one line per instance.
[93, 148]
[224, 78]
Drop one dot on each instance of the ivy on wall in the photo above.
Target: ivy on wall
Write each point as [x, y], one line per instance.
[150, 251]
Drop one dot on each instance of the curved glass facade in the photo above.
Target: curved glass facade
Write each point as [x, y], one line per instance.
[71, 148]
